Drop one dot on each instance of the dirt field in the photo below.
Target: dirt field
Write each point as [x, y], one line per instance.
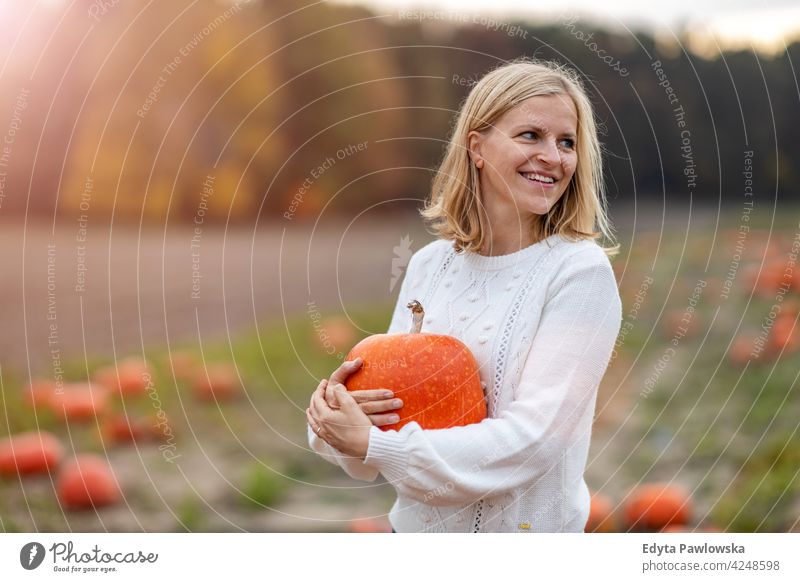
[120, 292]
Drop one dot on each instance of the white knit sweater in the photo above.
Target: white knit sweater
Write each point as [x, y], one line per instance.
[541, 323]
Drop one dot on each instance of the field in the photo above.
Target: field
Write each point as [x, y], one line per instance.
[698, 392]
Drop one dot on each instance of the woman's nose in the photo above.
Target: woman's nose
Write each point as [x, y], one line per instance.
[548, 152]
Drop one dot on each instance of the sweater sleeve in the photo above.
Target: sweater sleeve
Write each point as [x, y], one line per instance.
[355, 467]
[551, 411]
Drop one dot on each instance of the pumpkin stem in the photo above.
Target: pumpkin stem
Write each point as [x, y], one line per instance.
[417, 313]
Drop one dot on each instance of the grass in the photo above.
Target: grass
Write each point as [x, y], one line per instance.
[189, 513]
[263, 487]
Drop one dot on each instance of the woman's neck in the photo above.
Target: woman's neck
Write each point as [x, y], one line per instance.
[506, 240]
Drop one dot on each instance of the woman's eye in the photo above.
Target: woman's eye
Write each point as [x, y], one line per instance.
[529, 134]
[568, 143]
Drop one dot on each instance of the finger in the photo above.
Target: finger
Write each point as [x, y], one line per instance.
[381, 406]
[318, 407]
[312, 422]
[320, 389]
[369, 395]
[343, 397]
[383, 419]
[342, 372]
[324, 391]
[330, 398]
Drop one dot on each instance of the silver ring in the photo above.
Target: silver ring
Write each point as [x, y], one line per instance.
[319, 428]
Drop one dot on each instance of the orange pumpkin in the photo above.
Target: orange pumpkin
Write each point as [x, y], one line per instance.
[741, 349]
[369, 525]
[436, 376]
[601, 514]
[765, 280]
[785, 334]
[129, 378]
[218, 382]
[39, 392]
[791, 307]
[80, 402]
[677, 321]
[121, 429]
[655, 506]
[184, 365]
[28, 453]
[334, 333]
[87, 481]
[159, 427]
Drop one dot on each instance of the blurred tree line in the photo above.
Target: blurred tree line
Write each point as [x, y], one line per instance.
[132, 105]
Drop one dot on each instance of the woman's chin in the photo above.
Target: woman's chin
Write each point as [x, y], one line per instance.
[538, 207]
[541, 203]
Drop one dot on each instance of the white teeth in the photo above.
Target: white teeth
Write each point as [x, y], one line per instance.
[539, 178]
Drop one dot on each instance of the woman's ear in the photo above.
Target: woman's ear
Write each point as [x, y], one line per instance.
[474, 143]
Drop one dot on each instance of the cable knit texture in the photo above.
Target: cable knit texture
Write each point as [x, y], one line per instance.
[541, 323]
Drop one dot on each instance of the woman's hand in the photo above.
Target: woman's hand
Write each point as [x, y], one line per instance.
[345, 428]
[376, 404]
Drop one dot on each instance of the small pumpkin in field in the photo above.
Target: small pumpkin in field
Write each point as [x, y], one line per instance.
[369, 525]
[654, 506]
[677, 322]
[601, 514]
[791, 307]
[159, 427]
[689, 529]
[741, 349]
[764, 280]
[38, 393]
[436, 376]
[87, 481]
[28, 453]
[785, 335]
[121, 429]
[217, 382]
[333, 333]
[79, 401]
[184, 365]
[130, 377]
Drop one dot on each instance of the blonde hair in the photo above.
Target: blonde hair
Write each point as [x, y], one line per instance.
[456, 198]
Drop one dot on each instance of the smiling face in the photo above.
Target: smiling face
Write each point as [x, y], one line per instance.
[526, 159]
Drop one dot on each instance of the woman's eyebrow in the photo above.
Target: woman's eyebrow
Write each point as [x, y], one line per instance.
[527, 127]
[532, 127]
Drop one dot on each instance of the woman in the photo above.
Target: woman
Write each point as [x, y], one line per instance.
[517, 276]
